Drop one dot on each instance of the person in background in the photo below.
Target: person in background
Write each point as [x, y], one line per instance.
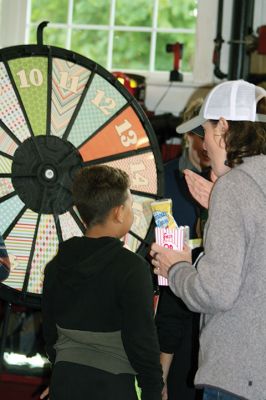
[228, 284]
[194, 157]
[4, 261]
[177, 326]
[97, 301]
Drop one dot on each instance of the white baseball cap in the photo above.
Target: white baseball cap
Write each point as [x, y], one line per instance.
[233, 100]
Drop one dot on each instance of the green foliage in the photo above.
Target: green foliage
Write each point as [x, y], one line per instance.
[177, 14]
[92, 44]
[51, 36]
[46, 10]
[92, 12]
[131, 50]
[134, 13]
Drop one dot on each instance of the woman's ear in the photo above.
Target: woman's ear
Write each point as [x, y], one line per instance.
[222, 128]
[223, 125]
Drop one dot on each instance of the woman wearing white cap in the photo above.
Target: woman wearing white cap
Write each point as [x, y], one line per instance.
[228, 285]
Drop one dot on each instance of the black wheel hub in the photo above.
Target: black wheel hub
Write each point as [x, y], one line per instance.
[43, 171]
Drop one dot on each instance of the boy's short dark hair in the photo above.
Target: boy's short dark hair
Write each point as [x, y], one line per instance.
[98, 189]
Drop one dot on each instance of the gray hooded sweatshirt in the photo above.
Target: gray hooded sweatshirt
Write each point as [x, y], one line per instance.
[229, 285]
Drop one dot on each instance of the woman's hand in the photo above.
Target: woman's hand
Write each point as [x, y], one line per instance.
[199, 187]
[45, 393]
[166, 361]
[163, 258]
[164, 392]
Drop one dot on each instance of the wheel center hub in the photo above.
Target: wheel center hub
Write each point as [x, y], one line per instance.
[43, 171]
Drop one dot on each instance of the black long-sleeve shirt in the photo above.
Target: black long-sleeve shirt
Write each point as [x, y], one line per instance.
[99, 294]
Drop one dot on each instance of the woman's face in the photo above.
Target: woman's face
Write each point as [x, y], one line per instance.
[197, 154]
[214, 145]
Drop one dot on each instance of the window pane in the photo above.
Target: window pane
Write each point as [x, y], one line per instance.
[164, 61]
[91, 44]
[51, 36]
[92, 12]
[134, 13]
[131, 50]
[177, 14]
[53, 11]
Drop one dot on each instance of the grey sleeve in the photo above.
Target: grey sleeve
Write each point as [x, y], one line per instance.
[215, 285]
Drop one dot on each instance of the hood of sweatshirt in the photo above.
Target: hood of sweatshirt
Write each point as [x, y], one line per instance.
[255, 167]
[80, 258]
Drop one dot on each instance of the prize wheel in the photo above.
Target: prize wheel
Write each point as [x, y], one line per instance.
[60, 111]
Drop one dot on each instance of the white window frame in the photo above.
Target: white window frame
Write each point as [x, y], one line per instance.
[15, 30]
[111, 28]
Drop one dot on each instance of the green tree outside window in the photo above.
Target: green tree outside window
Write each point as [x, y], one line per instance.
[85, 29]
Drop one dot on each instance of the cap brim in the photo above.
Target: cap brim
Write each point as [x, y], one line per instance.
[260, 118]
[260, 93]
[191, 125]
[199, 131]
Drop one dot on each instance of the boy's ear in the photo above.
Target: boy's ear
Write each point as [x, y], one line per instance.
[118, 214]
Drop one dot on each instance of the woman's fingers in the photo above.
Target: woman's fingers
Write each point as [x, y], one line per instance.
[199, 187]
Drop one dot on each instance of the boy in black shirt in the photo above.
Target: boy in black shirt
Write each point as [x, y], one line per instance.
[98, 301]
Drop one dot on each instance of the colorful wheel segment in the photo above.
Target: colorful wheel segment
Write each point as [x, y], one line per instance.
[60, 111]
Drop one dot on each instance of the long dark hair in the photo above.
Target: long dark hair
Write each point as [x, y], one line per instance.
[245, 138]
